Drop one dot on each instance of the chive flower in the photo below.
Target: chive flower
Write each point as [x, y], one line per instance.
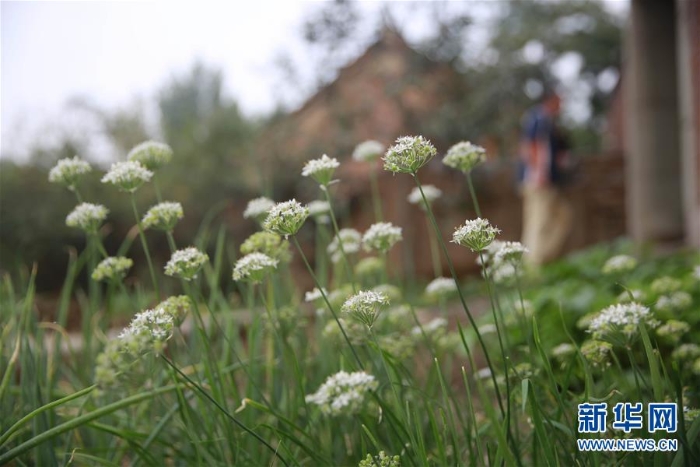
[368, 151]
[253, 267]
[343, 393]
[320, 211]
[127, 176]
[286, 218]
[87, 216]
[441, 288]
[186, 263]
[475, 234]
[321, 169]
[69, 171]
[408, 154]
[365, 306]
[113, 268]
[151, 154]
[381, 237]
[351, 240]
[431, 194]
[268, 243]
[619, 264]
[258, 208]
[619, 324]
[464, 156]
[163, 216]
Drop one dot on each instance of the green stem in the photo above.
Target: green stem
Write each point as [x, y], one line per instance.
[171, 241]
[450, 265]
[351, 275]
[434, 251]
[472, 192]
[376, 197]
[8, 434]
[157, 187]
[76, 422]
[500, 339]
[224, 411]
[328, 303]
[144, 244]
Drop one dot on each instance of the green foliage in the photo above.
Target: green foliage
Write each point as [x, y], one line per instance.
[247, 373]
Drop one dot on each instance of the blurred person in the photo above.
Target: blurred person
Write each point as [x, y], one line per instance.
[544, 154]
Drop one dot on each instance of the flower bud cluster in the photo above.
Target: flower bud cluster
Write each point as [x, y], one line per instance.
[186, 263]
[464, 156]
[113, 268]
[343, 393]
[163, 216]
[68, 172]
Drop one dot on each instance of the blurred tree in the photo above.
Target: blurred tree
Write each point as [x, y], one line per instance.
[516, 50]
[328, 31]
[123, 128]
[532, 44]
[211, 140]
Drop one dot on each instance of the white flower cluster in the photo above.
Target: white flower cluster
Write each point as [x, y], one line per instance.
[408, 154]
[286, 218]
[253, 267]
[686, 352]
[68, 171]
[177, 307]
[675, 301]
[475, 234]
[368, 151]
[563, 351]
[432, 327]
[258, 208]
[441, 287]
[619, 264]
[431, 194]
[186, 263]
[696, 272]
[127, 176]
[268, 243]
[500, 260]
[369, 267]
[620, 319]
[365, 306]
[510, 252]
[464, 156]
[597, 353]
[113, 268]
[151, 154]
[381, 236]
[351, 240]
[672, 330]
[315, 294]
[163, 216]
[87, 216]
[665, 285]
[148, 331]
[319, 211]
[343, 393]
[380, 460]
[321, 169]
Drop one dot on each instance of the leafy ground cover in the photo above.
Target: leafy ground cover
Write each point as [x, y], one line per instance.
[359, 370]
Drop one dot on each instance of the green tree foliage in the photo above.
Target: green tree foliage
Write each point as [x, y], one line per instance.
[498, 87]
[209, 135]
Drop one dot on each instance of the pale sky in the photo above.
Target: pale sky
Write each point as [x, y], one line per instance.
[116, 52]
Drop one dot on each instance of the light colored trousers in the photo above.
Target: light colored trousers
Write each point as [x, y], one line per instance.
[547, 222]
